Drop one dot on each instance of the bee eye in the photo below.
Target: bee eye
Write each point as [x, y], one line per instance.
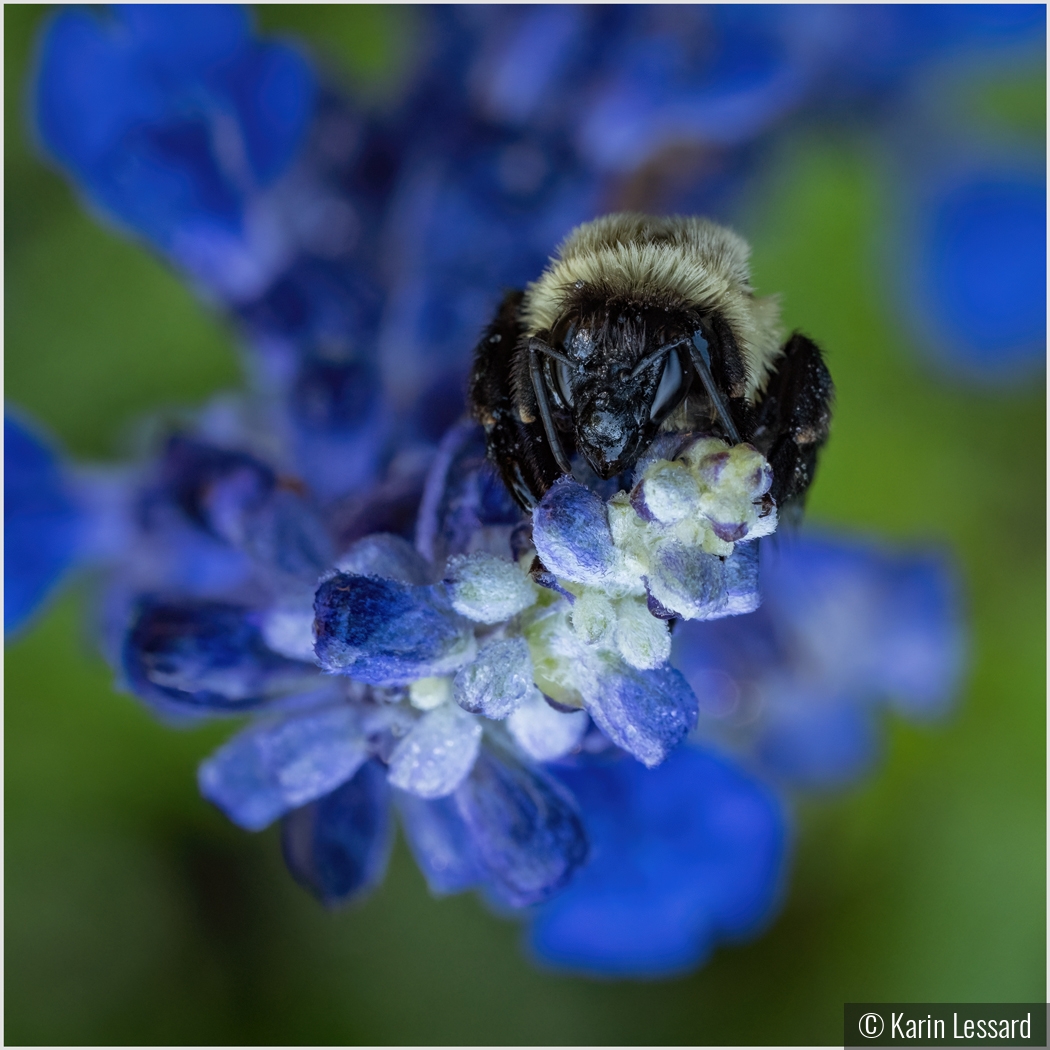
[670, 385]
[561, 370]
[563, 334]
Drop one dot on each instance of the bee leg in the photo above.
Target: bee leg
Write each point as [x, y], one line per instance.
[701, 357]
[792, 420]
[540, 389]
[516, 447]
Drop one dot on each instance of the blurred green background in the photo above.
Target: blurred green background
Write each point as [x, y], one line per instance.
[136, 914]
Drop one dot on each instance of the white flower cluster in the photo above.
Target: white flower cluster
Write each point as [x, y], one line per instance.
[662, 547]
[672, 539]
[590, 631]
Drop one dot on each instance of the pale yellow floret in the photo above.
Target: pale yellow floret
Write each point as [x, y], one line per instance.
[671, 491]
[697, 532]
[641, 639]
[630, 534]
[711, 484]
[593, 617]
[700, 449]
[427, 693]
[679, 261]
[556, 659]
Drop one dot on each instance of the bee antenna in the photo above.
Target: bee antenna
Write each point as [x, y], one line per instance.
[540, 390]
[654, 356]
[700, 355]
[543, 348]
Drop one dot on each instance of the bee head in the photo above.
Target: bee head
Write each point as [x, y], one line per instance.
[638, 323]
[615, 372]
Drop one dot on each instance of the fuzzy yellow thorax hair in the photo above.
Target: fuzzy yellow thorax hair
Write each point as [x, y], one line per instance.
[678, 261]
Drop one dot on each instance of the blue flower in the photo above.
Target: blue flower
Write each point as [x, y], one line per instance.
[875, 50]
[683, 856]
[845, 628]
[509, 829]
[282, 763]
[224, 153]
[966, 244]
[452, 730]
[332, 555]
[476, 217]
[202, 499]
[987, 246]
[385, 632]
[337, 847]
[208, 655]
[719, 75]
[170, 119]
[971, 250]
[43, 530]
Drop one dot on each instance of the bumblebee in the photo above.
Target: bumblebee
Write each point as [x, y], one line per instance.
[638, 326]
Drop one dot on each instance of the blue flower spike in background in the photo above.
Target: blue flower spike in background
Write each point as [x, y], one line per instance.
[843, 629]
[41, 524]
[656, 758]
[172, 123]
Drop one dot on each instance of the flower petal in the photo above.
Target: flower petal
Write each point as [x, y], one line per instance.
[465, 506]
[820, 743]
[643, 640]
[338, 846]
[440, 843]
[147, 109]
[288, 541]
[288, 628]
[269, 769]
[645, 712]
[570, 529]
[741, 580]
[437, 753]
[921, 646]
[488, 589]
[497, 681]
[217, 489]
[686, 580]
[683, 855]
[205, 655]
[384, 632]
[387, 556]
[41, 523]
[543, 733]
[525, 828]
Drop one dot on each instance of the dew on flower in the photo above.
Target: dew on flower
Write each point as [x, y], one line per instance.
[487, 589]
[438, 752]
[498, 679]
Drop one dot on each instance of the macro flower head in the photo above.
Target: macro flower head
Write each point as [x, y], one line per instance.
[595, 712]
